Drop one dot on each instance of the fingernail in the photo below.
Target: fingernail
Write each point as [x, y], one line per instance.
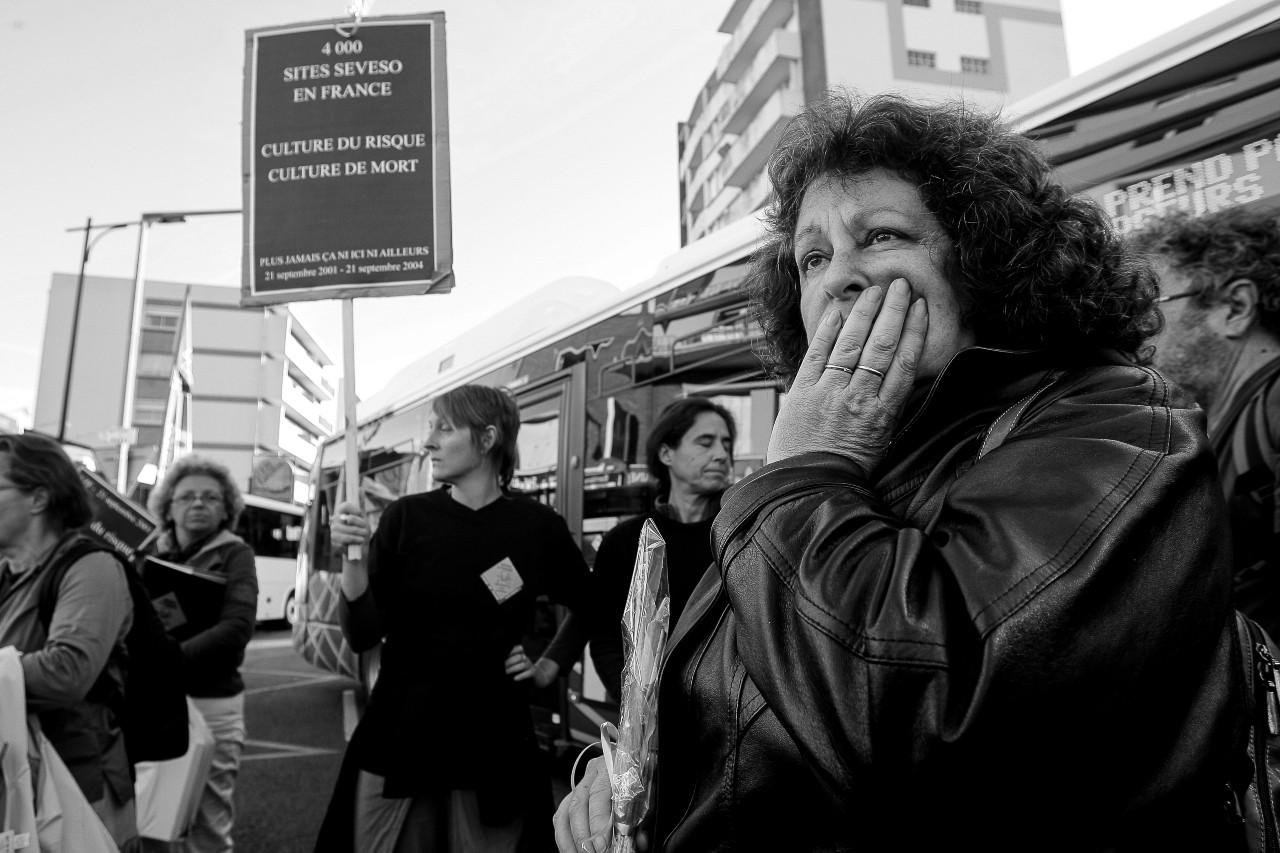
[833, 319]
[872, 293]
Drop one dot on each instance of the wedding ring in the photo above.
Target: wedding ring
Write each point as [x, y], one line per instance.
[840, 367]
[344, 518]
[870, 370]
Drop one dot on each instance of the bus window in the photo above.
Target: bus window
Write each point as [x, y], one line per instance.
[539, 450]
[274, 531]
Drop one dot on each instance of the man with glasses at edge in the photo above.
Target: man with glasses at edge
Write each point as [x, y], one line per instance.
[1220, 295]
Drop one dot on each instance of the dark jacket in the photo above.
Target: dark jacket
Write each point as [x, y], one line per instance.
[688, 555]
[85, 637]
[1247, 443]
[212, 654]
[1037, 659]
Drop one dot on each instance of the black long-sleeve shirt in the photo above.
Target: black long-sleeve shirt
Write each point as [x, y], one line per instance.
[451, 590]
[688, 557]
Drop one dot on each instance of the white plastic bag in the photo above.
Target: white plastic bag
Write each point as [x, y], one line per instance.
[169, 792]
[64, 818]
[40, 793]
[19, 828]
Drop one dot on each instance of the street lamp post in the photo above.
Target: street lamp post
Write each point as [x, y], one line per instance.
[89, 227]
[135, 330]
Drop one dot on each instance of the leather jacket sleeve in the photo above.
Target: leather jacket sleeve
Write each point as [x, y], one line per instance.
[364, 621]
[1073, 573]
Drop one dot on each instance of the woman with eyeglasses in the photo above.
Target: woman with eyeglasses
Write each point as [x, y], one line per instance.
[198, 503]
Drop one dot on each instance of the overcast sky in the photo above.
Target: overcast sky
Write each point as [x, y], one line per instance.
[563, 121]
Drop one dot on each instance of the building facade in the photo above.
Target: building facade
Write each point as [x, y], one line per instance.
[784, 53]
[257, 385]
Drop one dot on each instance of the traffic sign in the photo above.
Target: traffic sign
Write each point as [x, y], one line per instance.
[119, 435]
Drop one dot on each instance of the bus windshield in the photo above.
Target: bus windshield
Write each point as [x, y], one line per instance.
[273, 530]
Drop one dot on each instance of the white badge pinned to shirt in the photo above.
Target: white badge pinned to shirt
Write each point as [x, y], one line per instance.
[503, 580]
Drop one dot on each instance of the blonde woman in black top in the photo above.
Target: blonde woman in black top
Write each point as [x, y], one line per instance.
[448, 585]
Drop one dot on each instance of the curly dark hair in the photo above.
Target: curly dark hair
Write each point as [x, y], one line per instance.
[1219, 248]
[1034, 266]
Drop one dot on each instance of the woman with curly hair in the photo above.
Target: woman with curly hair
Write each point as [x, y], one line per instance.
[979, 596]
[198, 503]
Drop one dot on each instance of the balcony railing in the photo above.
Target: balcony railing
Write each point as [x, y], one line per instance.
[771, 70]
[754, 145]
[763, 17]
[311, 412]
[292, 442]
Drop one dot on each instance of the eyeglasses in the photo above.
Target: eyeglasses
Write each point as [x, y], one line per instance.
[1186, 294]
[206, 498]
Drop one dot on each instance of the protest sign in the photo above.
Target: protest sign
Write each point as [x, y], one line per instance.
[346, 160]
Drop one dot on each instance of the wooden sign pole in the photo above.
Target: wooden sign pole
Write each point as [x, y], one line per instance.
[349, 408]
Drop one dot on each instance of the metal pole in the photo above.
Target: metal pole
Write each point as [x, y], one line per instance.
[131, 368]
[75, 323]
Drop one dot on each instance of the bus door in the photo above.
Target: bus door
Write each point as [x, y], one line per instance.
[551, 443]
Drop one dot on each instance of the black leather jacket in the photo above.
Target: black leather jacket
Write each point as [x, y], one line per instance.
[1036, 659]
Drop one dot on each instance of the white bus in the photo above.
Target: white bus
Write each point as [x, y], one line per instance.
[273, 529]
[588, 392]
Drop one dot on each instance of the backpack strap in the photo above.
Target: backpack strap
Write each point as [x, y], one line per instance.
[71, 549]
[1262, 711]
[65, 554]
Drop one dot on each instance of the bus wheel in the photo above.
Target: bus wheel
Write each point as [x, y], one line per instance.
[291, 609]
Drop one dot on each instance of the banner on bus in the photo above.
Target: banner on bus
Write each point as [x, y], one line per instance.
[346, 160]
[1242, 172]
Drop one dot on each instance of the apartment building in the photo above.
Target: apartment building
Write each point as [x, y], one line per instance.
[257, 385]
[783, 53]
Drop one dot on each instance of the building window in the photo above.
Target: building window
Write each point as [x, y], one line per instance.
[154, 389]
[922, 58]
[924, 3]
[148, 418]
[972, 7]
[156, 320]
[155, 364]
[973, 65]
[157, 341]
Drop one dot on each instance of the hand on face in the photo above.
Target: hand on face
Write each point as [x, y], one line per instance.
[855, 378]
[866, 247]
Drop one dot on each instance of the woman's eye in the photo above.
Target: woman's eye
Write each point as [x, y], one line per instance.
[881, 236]
[810, 261]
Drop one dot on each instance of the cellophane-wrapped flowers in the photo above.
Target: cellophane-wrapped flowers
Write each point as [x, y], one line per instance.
[645, 626]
